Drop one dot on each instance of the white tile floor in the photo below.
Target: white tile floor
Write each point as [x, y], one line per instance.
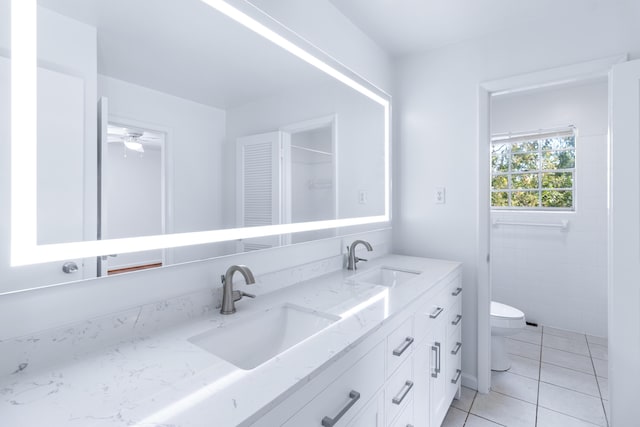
[557, 379]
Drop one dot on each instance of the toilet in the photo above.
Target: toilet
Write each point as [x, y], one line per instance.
[505, 321]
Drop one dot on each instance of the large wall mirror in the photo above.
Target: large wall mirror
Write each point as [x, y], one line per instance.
[180, 130]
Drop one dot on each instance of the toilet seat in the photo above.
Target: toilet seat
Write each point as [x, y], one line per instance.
[505, 316]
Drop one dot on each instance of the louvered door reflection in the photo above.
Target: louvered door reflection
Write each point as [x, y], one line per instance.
[260, 196]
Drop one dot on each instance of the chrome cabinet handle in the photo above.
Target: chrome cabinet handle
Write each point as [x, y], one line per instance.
[457, 348]
[457, 377]
[436, 313]
[457, 320]
[434, 374]
[403, 347]
[436, 348]
[439, 357]
[400, 397]
[330, 422]
[456, 292]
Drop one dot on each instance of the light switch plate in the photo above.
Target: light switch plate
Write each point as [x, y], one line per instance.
[363, 197]
[439, 195]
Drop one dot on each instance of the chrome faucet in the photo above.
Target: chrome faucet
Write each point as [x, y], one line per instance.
[229, 296]
[352, 259]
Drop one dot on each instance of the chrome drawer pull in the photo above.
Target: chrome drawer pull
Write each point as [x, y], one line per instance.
[458, 319]
[457, 348]
[436, 313]
[456, 292]
[434, 374]
[457, 377]
[330, 422]
[398, 400]
[438, 351]
[403, 347]
[439, 365]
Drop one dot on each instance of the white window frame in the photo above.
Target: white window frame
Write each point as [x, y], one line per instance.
[530, 137]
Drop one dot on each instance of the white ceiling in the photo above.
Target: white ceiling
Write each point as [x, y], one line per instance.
[407, 26]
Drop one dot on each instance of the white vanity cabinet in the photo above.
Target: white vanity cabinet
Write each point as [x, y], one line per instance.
[404, 374]
[437, 360]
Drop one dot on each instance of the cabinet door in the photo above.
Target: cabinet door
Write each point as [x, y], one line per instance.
[438, 390]
[422, 372]
[371, 415]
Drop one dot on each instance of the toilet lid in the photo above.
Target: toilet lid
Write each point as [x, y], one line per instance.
[503, 310]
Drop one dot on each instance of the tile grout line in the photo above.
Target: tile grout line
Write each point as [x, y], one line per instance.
[539, 375]
[574, 390]
[570, 416]
[595, 373]
[480, 416]
[470, 406]
[555, 364]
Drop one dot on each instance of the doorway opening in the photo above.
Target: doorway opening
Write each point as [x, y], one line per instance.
[133, 193]
[540, 217]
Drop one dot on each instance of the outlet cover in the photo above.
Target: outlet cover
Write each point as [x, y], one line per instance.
[439, 195]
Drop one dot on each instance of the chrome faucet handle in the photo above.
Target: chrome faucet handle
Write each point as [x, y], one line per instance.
[237, 295]
[361, 259]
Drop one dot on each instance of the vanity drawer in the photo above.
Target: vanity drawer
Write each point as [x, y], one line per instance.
[454, 317]
[454, 362]
[400, 344]
[429, 313]
[406, 417]
[398, 392]
[347, 395]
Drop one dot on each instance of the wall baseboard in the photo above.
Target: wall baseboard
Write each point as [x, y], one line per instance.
[469, 381]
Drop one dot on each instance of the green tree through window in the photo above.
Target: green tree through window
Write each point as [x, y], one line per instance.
[534, 173]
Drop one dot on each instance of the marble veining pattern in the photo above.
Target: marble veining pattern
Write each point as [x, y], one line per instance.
[137, 367]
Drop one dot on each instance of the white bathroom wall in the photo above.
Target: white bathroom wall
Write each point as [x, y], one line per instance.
[25, 312]
[437, 104]
[558, 278]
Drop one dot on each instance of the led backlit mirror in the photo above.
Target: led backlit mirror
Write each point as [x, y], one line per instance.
[164, 125]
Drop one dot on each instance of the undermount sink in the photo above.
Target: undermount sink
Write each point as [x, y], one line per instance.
[248, 343]
[385, 276]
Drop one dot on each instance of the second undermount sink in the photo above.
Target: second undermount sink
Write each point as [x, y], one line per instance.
[252, 341]
[385, 276]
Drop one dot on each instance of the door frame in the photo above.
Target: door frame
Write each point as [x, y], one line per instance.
[582, 71]
[166, 172]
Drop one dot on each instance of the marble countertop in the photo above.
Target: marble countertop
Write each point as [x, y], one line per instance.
[162, 379]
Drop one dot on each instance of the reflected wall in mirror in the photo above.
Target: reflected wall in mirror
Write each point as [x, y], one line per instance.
[198, 124]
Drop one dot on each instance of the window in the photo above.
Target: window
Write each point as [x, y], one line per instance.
[533, 171]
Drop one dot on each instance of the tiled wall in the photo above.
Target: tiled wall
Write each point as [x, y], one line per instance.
[558, 278]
